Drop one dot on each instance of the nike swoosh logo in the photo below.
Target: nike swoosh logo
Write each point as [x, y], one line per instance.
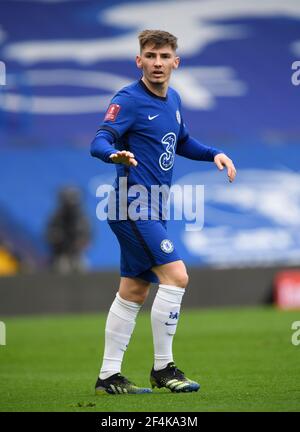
[170, 324]
[152, 117]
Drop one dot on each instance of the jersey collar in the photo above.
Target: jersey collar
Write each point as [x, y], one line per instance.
[164, 98]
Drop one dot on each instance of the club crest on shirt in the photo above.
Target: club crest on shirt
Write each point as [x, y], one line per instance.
[178, 116]
[112, 112]
[167, 246]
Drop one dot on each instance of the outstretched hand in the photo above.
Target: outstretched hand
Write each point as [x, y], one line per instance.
[124, 157]
[221, 160]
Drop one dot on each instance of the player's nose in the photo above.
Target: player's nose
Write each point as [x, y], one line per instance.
[158, 62]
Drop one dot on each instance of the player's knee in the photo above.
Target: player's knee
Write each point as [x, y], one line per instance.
[181, 279]
[178, 278]
[134, 292]
[172, 274]
[141, 297]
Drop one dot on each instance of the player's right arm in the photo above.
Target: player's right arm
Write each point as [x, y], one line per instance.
[118, 119]
[102, 147]
[123, 157]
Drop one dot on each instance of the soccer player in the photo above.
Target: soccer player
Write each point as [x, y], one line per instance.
[141, 133]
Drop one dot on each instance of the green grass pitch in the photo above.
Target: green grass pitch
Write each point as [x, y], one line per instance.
[243, 358]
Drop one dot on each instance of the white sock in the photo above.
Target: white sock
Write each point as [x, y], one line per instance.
[164, 319]
[120, 324]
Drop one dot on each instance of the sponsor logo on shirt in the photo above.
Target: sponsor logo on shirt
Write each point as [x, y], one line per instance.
[166, 160]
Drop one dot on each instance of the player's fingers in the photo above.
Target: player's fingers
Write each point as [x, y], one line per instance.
[219, 164]
[127, 154]
[231, 173]
[133, 162]
[124, 157]
[119, 158]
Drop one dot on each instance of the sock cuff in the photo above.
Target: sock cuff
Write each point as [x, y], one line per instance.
[171, 288]
[125, 309]
[170, 293]
[129, 304]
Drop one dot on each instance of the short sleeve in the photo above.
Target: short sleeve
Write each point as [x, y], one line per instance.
[120, 114]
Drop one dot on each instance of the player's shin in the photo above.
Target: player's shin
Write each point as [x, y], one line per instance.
[120, 324]
[164, 318]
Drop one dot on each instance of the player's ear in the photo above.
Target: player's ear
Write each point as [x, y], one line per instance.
[176, 62]
[138, 60]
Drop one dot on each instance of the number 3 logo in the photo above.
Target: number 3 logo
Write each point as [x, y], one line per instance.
[296, 335]
[166, 160]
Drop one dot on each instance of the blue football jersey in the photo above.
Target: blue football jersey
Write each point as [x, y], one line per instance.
[150, 127]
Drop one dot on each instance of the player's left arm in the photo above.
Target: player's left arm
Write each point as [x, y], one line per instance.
[221, 160]
[192, 149]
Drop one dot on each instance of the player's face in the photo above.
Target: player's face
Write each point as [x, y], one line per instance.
[157, 63]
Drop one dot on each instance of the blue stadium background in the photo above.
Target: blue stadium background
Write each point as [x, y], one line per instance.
[65, 59]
